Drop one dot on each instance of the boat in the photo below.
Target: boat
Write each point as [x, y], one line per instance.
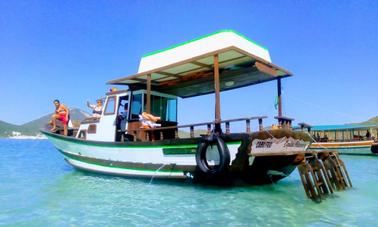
[210, 152]
[358, 139]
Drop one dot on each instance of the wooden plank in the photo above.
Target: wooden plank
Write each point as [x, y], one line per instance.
[265, 69]
[232, 59]
[167, 74]
[201, 64]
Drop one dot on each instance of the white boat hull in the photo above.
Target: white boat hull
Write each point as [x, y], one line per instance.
[131, 161]
[176, 159]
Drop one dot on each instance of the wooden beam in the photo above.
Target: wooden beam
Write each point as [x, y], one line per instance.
[265, 69]
[167, 74]
[144, 81]
[148, 108]
[232, 59]
[217, 89]
[201, 64]
[192, 77]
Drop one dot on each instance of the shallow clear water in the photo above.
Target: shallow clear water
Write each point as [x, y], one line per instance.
[38, 188]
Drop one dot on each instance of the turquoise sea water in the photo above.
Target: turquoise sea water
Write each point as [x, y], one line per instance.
[38, 188]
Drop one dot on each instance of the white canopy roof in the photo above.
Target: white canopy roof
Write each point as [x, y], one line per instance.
[187, 69]
[206, 44]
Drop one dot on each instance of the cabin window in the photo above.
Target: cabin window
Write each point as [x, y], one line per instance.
[92, 129]
[82, 134]
[110, 106]
[171, 114]
[165, 108]
[136, 107]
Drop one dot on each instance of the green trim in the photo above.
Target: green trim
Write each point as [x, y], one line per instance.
[74, 157]
[125, 145]
[202, 37]
[179, 151]
[188, 151]
[113, 144]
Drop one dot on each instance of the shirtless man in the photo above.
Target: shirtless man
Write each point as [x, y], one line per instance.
[61, 113]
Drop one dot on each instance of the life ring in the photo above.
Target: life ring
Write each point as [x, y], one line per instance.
[224, 156]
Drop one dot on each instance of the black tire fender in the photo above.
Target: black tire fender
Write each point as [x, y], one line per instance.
[224, 156]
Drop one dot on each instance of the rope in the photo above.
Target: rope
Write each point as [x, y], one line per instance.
[156, 171]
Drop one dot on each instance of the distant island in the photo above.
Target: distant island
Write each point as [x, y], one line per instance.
[373, 120]
[31, 129]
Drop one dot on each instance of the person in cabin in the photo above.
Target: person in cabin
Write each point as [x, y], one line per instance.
[96, 109]
[123, 117]
[149, 120]
[61, 114]
[317, 137]
[325, 138]
[367, 134]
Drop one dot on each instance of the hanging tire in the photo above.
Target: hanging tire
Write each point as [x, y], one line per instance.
[224, 156]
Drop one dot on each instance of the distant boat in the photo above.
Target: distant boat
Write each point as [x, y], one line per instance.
[346, 139]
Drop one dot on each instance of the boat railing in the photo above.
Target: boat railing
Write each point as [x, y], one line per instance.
[159, 132]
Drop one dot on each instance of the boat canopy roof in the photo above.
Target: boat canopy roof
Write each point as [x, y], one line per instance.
[343, 127]
[187, 70]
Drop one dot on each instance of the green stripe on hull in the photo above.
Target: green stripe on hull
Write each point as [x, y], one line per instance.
[114, 164]
[179, 151]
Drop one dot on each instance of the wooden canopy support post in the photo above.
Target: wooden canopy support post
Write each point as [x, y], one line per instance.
[279, 99]
[217, 127]
[148, 108]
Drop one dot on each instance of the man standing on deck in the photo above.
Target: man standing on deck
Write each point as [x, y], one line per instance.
[61, 114]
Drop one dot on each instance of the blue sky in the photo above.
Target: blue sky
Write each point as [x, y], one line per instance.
[69, 49]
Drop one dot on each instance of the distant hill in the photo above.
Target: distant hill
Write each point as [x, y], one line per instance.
[32, 128]
[6, 129]
[373, 120]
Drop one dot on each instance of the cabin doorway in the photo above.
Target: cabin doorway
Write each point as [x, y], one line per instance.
[123, 116]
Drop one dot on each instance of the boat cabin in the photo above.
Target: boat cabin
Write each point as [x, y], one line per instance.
[121, 114]
[217, 62]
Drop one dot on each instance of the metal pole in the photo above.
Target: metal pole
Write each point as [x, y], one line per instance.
[279, 97]
[217, 127]
[148, 108]
[217, 89]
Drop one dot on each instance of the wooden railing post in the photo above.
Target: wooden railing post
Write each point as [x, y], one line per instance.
[147, 136]
[161, 135]
[248, 126]
[227, 127]
[191, 131]
[208, 129]
[261, 127]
